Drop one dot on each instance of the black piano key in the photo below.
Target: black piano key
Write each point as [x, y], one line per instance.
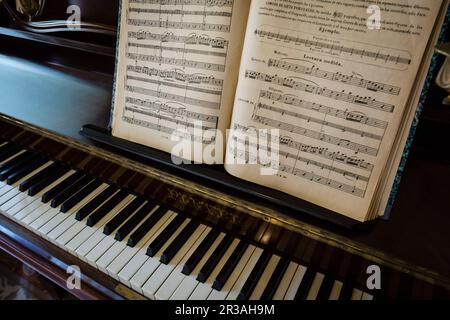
[123, 215]
[52, 177]
[26, 170]
[201, 250]
[305, 285]
[275, 280]
[7, 146]
[38, 177]
[70, 191]
[179, 242]
[346, 291]
[229, 266]
[350, 281]
[254, 276]
[80, 195]
[8, 151]
[95, 203]
[214, 259]
[106, 208]
[145, 227]
[16, 164]
[325, 288]
[134, 221]
[49, 195]
[164, 236]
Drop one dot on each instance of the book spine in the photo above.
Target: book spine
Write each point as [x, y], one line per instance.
[419, 111]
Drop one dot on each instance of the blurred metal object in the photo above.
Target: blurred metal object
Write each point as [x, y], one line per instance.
[34, 8]
[30, 8]
[443, 77]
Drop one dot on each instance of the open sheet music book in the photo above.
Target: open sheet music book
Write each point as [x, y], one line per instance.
[335, 83]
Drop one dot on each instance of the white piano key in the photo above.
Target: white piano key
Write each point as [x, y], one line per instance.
[315, 286]
[285, 281]
[336, 290]
[189, 283]
[104, 245]
[32, 203]
[295, 283]
[265, 278]
[75, 229]
[110, 255]
[356, 294]
[203, 290]
[61, 217]
[43, 219]
[245, 274]
[36, 214]
[22, 195]
[7, 206]
[12, 192]
[150, 266]
[29, 209]
[132, 258]
[98, 235]
[366, 296]
[87, 232]
[222, 294]
[162, 273]
[176, 277]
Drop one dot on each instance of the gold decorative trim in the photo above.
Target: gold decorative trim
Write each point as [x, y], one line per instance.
[271, 216]
[128, 294]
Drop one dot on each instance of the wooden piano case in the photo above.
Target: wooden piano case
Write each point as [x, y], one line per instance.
[70, 77]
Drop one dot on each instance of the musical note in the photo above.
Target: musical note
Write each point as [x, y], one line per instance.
[363, 53]
[338, 77]
[324, 92]
[322, 122]
[357, 147]
[329, 111]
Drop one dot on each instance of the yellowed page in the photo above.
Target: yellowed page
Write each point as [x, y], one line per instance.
[177, 69]
[334, 88]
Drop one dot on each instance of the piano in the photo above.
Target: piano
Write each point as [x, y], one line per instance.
[138, 228]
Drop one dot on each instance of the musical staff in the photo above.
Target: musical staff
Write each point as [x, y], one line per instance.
[173, 97]
[177, 62]
[322, 152]
[180, 25]
[170, 118]
[307, 161]
[176, 75]
[169, 37]
[324, 92]
[182, 112]
[353, 116]
[347, 144]
[351, 51]
[177, 50]
[335, 76]
[164, 129]
[311, 176]
[207, 3]
[342, 128]
[182, 12]
[175, 85]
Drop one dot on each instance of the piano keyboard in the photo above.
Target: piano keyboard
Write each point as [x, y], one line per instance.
[159, 253]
